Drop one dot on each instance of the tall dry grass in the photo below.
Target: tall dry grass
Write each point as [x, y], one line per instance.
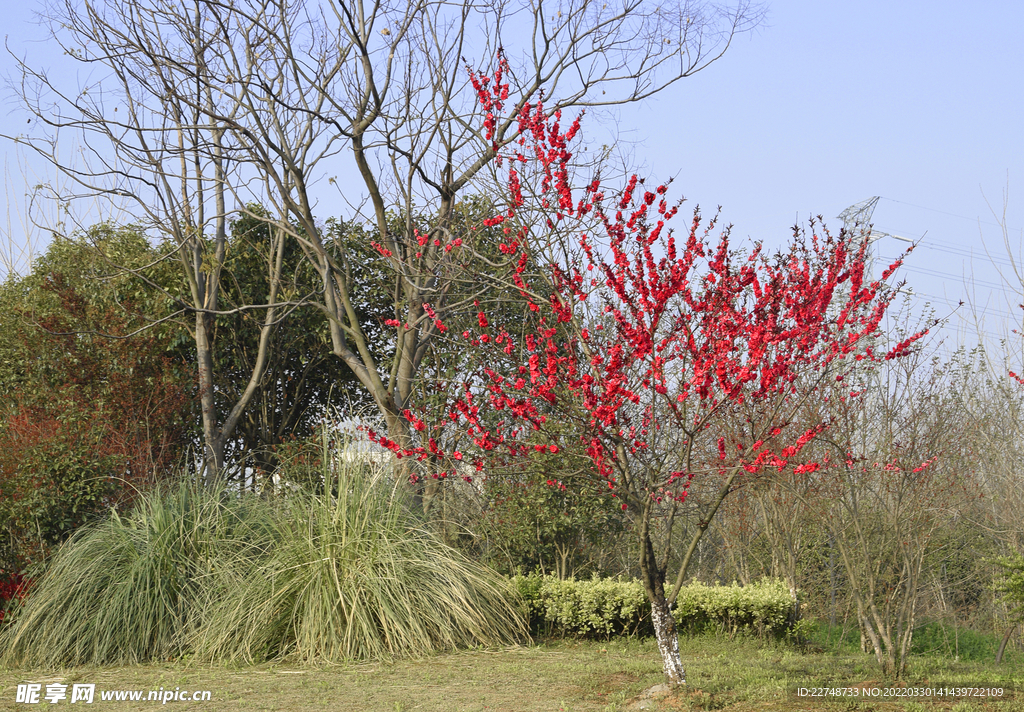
[218, 576]
[354, 575]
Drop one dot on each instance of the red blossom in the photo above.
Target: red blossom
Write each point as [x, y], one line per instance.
[671, 324]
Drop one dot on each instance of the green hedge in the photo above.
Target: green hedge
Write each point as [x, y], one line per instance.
[601, 608]
[594, 608]
[764, 607]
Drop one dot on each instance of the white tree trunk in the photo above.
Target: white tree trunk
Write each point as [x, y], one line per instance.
[668, 642]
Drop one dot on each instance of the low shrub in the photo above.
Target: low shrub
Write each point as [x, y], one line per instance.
[597, 607]
[764, 608]
[605, 607]
[948, 641]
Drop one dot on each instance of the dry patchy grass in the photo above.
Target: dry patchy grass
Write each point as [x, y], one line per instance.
[555, 677]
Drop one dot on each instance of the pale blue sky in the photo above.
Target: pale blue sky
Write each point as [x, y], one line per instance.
[827, 104]
[834, 102]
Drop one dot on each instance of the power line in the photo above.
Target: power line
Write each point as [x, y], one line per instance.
[983, 310]
[941, 246]
[954, 215]
[948, 276]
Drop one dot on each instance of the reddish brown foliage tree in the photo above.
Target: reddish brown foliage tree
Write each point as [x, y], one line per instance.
[94, 421]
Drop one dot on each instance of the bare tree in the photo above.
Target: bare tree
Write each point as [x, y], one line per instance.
[892, 488]
[149, 138]
[269, 100]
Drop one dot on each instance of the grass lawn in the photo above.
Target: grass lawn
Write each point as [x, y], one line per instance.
[554, 677]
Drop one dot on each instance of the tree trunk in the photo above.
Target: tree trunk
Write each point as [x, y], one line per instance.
[668, 641]
[213, 456]
[665, 631]
[1002, 645]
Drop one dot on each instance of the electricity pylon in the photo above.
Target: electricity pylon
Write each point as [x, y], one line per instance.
[857, 218]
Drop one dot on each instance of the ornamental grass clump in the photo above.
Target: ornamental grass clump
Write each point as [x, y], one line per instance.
[353, 576]
[222, 576]
[132, 587]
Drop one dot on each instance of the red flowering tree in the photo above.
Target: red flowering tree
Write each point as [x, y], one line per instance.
[680, 359]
